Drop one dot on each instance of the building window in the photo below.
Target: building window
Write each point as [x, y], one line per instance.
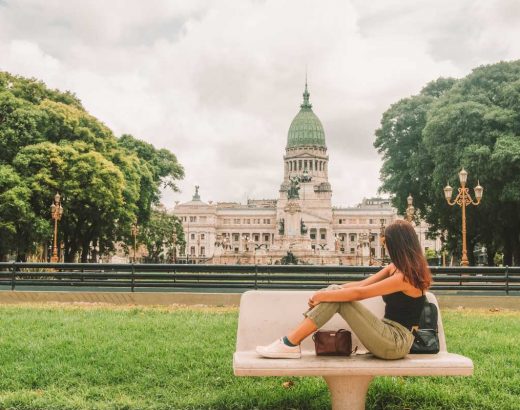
[256, 237]
[236, 237]
[192, 236]
[323, 234]
[352, 237]
[193, 218]
[313, 233]
[236, 250]
[352, 250]
[299, 164]
[370, 221]
[226, 221]
[266, 237]
[352, 221]
[247, 221]
[202, 236]
[236, 221]
[202, 251]
[192, 251]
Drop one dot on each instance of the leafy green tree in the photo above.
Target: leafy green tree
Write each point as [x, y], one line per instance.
[20, 227]
[49, 143]
[474, 123]
[160, 236]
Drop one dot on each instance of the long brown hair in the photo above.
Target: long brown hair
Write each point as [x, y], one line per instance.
[406, 254]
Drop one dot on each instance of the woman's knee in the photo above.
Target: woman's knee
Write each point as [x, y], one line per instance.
[389, 353]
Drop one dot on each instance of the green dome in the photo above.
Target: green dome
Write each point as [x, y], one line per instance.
[306, 128]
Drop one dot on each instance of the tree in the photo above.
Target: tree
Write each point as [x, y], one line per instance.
[474, 123]
[49, 143]
[160, 236]
[20, 227]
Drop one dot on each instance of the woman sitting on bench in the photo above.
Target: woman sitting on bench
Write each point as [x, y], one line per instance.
[401, 284]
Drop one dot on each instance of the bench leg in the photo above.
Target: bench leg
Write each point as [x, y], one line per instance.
[348, 392]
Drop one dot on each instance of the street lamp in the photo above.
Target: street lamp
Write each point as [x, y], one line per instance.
[56, 213]
[135, 231]
[174, 240]
[463, 199]
[381, 236]
[370, 247]
[410, 210]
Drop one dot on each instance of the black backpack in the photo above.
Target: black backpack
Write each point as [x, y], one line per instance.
[427, 336]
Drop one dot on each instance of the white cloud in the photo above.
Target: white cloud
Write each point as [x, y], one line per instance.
[218, 83]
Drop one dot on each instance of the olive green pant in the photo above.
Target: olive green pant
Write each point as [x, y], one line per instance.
[384, 338]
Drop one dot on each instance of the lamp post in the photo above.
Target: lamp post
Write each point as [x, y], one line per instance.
[56, 213]
[463, 199]
[135, 231]
[381, 236]
[369, 247]
[410, 210]
[174, 241]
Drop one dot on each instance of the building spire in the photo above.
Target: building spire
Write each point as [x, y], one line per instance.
[306, 103]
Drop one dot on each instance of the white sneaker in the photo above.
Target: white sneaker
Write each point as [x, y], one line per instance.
[279, 350]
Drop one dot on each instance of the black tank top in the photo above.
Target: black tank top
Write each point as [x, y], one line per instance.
[404, 309]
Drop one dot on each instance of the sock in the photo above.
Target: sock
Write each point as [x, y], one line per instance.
[287, 342]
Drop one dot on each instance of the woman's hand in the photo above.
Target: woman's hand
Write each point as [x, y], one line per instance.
[315, 299]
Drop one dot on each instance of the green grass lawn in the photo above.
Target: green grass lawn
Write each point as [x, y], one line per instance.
[81, 357]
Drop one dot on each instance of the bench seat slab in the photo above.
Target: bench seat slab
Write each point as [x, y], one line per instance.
[248, 363]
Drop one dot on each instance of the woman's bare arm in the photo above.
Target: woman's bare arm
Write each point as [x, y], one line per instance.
[394, 283]
[376, 277]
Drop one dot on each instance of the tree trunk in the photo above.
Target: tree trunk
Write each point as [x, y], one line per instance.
[491, 251]
[508, 250]
[84, 253]
[516, 250]
[471, 253]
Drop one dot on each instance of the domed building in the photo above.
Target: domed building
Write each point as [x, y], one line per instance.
[301, 222]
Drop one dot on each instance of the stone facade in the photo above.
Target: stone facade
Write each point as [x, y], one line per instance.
[301, 221]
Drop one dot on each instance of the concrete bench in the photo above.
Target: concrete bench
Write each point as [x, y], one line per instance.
[266, 315]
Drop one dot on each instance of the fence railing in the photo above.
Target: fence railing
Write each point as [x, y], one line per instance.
[239, 277]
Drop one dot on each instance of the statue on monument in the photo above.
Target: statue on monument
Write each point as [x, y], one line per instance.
[281, 227]
[294, 189]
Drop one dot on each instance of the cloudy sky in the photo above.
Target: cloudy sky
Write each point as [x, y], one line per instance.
[219, 82]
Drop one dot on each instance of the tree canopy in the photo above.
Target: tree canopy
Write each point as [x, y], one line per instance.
[473, 122]
[49, 143]
[158, 236]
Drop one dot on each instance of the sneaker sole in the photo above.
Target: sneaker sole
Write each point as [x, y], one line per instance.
[280, 355]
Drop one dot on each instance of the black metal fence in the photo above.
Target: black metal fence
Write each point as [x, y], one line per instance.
[146, 277]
